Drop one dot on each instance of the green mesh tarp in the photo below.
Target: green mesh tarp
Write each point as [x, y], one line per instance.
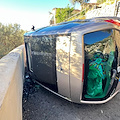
[99, 69]
[95, 75]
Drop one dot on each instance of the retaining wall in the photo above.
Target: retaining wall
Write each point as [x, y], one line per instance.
[11, 84]
[105, 10]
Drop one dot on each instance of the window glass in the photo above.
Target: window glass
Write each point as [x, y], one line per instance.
[99, 59]
[43, 58]
[100, 41]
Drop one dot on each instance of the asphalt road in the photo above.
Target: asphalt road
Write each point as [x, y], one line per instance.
[44, 105]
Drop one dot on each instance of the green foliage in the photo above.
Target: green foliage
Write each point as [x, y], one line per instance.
[63, 13]
[101, 1]
[11, 36]
[83, 12]
[80, 1]
[98, 1]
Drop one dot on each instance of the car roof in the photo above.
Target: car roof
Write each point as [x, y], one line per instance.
[71, 26]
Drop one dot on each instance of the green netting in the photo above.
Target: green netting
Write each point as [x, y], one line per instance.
[99, 70]
[95, 75]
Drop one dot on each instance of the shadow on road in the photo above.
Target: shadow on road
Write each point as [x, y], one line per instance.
[40, 104]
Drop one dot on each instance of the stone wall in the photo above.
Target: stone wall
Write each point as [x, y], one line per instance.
[11, 84]
[105, 10]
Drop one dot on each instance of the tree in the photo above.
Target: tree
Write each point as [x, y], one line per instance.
[80, 1]
[11, 36]
[63, 13]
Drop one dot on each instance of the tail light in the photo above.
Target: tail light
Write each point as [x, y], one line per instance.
[113, 21]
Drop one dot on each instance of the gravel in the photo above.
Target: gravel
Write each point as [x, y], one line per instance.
[40, 104]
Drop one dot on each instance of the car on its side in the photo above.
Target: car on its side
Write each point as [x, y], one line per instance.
[78, 60]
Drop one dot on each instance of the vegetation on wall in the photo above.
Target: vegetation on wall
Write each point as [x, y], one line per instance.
[11, 36]
[85, 7]
[80, 1]
[101, 1]
[63, 13]
[106, 1]
[98, 1]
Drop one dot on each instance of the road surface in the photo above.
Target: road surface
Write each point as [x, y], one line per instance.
[44, 105]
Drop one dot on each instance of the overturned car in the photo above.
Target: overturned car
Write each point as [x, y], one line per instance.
[77, 60]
